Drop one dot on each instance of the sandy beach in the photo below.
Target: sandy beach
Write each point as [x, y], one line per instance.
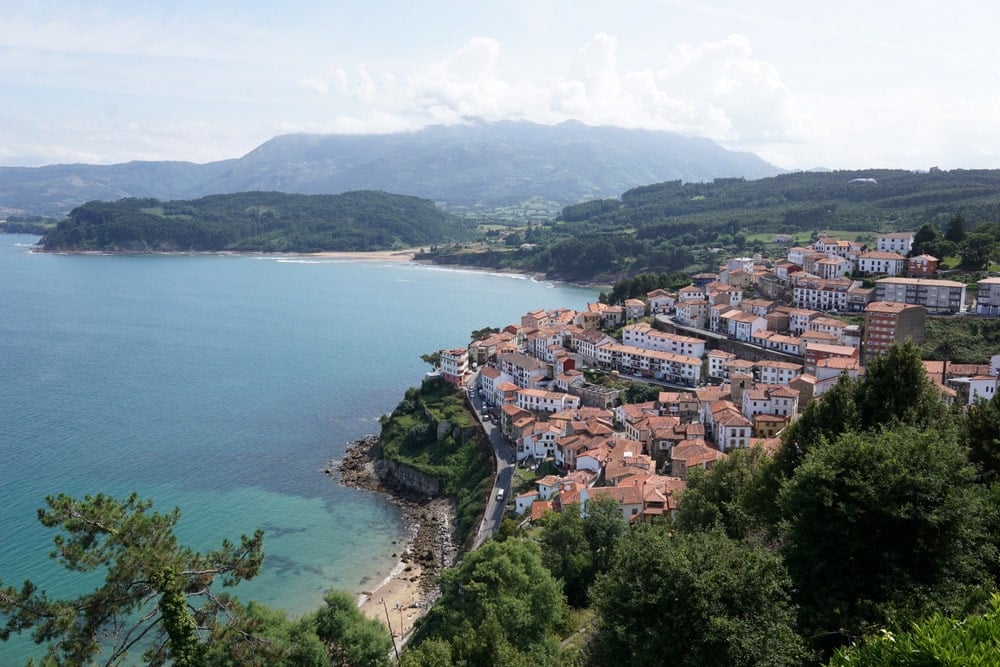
[411, 588]
[375, 255]
[400, 594]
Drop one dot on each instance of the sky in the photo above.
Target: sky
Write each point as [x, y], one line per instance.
[839, 85]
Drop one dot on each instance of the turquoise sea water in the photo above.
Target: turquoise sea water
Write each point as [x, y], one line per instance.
[221, 385]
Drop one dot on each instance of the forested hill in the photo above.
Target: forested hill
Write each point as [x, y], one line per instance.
[676, 226]
[874, 199]
[258, 221]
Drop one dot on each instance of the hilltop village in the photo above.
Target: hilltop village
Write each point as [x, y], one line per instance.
[737, 354]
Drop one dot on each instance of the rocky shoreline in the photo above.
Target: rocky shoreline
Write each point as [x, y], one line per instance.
[431, 544]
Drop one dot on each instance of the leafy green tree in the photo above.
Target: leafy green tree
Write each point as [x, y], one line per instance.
[925, 239]
[258, 636]
[955, 231]
[503, 582]
[896, 390]
[150, 584]
[432, 358]
[479, 334]
[879, 527]
[603, 526]
[732, 495]
[973, 641]
[641, 392]
[566, 553]
[698, 599]
[353, 639]
[980, 432]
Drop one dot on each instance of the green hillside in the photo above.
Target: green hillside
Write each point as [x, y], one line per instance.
[258, 221]
[676, 226]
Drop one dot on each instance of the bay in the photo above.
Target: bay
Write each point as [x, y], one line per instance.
[222, 385]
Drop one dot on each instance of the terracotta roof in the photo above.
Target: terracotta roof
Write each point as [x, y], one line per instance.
[893, 307]
[540, 508]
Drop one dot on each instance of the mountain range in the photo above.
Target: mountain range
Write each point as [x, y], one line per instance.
[480, 167]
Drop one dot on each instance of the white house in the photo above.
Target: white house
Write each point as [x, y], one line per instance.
[661, 302]
[539, 400]
[778, 400]
[644, 336]
[879, 262]
[900, 242]
[777, 372]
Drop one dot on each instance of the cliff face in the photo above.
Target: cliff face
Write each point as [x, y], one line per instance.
[402, 478]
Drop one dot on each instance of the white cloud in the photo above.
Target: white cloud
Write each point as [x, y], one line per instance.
[719, 90]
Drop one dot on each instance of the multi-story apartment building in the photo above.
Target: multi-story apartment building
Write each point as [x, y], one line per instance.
[988, 299]
[740, 324]
[888, 322]
[644, 336]
[538, 400]
[818, 351]
[937, 296]
[527, 372]
[831, 268]
[662, 365]
[901, 242]
[818, 294]
[661, 301]
[761, 399]
[455, 364]
[882, 263]
[777, 372]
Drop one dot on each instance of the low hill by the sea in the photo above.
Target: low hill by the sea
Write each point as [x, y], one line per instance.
[481, 167]
[258, 221]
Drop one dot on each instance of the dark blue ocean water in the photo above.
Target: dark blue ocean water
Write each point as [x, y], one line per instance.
[222, 385]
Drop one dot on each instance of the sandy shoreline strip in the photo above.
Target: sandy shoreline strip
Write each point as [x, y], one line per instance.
[400, 595]
[401, 598]
[374, 255]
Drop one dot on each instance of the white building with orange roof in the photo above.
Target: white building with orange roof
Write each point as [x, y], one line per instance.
[799, 319]
[629, 498]
[717, 360]
[882, 263]
[828, 372]
[651, 363]
[690, 293]
[898, 242]
[455, 365]
[645, 336]
[741, 325]
[661, 302]
[822, 294]
[770, 399]
[832, 268]
[830, 325]
[776, 372]
[586, 343]
[692, 313]
[539, 442]
[527, 371]
[540, 400]
[634, 309]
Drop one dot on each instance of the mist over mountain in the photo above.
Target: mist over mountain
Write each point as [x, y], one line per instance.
[476, 167]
